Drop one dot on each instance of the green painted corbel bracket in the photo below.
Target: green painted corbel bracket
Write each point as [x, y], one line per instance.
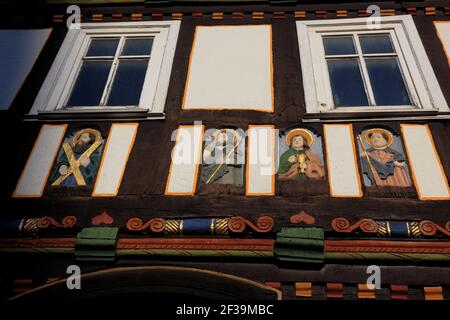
[96, 244]
[304, 245]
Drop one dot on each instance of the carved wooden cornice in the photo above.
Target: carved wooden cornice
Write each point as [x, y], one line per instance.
[201, 226]
[390, 229]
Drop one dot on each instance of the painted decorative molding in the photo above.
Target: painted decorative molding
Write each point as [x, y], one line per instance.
[96, 244]
[300, 245]
[399, 291]
[303, 289]
[47, 222]
[424, 10]
[343, 225]
[201, 226]
[239, 224]
[102, 218]
[35, 225]
[387, 246]
[334, 290]
[391, 229]
[302, 217]
[429, 228]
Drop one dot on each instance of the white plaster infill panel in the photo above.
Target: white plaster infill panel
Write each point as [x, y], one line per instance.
[230, 67]
[37, 169]
[443, 32]
[260, 170]
[115, 157]
[427, 171]
[186, 158]
[343, 174]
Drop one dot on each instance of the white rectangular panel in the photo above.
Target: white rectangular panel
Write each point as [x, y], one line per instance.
[428, 174]
[186, 157]
[443, 32]
[230, 68]
[343, 174]
[115, 157]
[260, 174]
[37, 169]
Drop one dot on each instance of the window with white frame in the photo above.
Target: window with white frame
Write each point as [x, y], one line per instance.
[348, 67]
[111, 68]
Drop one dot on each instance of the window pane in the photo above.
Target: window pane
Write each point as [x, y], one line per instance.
[387, 82]
[19, 49]
[135, 47]
[346, 83]
[127, 86]
[338, 45]
[376, 43]
[102, 47]
[90, 83]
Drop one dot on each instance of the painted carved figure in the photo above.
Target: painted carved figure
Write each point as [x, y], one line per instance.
[382, 165]
[79, 159]
[223, 158]
[299, 162]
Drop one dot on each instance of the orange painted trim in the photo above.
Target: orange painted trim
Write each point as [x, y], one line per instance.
[186, 85]
[256, 194]
[15, 195]
[419, 247]
[199, 158]
[433, 293]
[130, 147]
[358, 176]
[446, 50]
[430, 137]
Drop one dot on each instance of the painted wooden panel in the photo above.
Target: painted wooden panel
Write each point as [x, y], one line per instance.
[428, 174]
[443, 32]
[115, 157]
[343, 174]
[186, 157]
[260, 174]
[37, 169]
[230, 68]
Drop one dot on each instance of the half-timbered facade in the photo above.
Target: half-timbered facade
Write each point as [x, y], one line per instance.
[264, 150]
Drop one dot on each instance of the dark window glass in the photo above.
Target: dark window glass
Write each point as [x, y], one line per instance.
[137, 47]
[102, 47]
[339, 45]
[376, 44]
[19, 50]
[90, 83]
[387, 82]
[128, 81]
[346, 83]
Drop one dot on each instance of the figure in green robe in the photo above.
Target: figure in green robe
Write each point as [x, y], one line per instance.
[298, 162]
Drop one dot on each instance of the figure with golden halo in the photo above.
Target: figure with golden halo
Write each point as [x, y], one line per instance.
[299, 162]
[383, 165]
[223, 158]
[78, 161]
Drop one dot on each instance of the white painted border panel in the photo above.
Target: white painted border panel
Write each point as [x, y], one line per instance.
[115, 157]
[186, 158]
[260, 169]
[343, 173]
[443, 32]
[230, 68]
[427, 171]
[37, 169]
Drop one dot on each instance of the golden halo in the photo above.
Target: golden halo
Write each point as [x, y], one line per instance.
[387, 133]
[300, 132]
[96, 133]
[216, 133]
